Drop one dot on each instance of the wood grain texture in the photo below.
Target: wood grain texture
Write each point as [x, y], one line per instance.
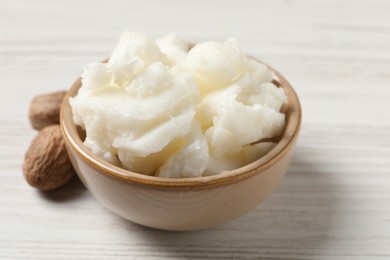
[334, 201]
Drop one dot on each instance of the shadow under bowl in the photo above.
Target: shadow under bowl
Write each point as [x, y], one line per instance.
[182, 204]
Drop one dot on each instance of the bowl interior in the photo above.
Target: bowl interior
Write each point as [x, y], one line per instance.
[74, 138]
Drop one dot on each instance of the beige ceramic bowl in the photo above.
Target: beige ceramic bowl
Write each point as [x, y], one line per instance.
[182, 204]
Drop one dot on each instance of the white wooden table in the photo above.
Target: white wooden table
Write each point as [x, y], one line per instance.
[334, 202]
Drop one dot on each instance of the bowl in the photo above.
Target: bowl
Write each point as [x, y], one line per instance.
[182, 204]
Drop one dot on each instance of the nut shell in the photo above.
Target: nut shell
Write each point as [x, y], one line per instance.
[46, 163]
[45, 109]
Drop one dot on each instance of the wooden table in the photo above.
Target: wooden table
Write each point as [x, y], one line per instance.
[334, 202]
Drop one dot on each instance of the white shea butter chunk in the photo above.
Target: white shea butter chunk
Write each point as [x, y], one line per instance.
[216, 65]
[175, 50]
[131, 45]
[158, 108]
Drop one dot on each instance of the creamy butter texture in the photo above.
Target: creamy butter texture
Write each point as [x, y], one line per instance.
[160, 108]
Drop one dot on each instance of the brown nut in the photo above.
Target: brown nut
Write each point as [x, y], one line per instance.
[46, 163]
[45, 109]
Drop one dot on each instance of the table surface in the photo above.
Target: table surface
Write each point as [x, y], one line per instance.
[334, 202]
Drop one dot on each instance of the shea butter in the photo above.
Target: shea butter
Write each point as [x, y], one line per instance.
[159, 107]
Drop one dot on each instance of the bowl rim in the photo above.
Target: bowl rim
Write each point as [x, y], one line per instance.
[292, 110]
